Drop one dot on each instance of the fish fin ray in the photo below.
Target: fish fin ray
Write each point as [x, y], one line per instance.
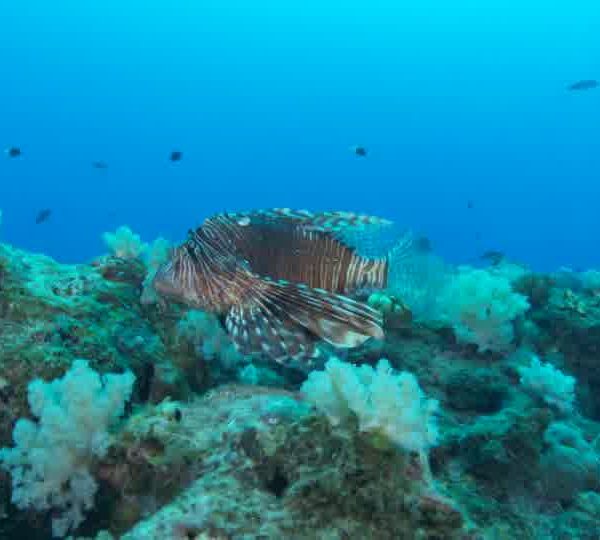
[284, 320]
[334, 318]
[368, 236]
[261, 326]
[329, 221]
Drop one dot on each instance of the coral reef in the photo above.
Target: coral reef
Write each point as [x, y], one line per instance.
[215, 444]
[49, 463]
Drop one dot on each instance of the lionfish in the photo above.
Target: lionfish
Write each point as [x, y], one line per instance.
[280, 279]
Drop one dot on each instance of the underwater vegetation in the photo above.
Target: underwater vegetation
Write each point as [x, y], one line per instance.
[426, 401]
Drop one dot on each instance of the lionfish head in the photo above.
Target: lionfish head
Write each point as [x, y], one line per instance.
[176, 279]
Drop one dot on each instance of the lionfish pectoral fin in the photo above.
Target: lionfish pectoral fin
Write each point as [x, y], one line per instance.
[261, 327]
[284, 321]
[340, 335]
[336, 319]
[339, 320]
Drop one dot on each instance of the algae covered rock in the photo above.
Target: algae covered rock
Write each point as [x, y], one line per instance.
[571, 322]
[476, 390]
[52, 313]
[502, 450]
[199, 457]
[264, 466]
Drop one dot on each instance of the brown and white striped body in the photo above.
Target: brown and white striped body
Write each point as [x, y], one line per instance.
[280, 277]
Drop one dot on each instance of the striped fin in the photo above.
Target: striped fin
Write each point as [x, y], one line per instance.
[334, 221]
[337, 319]
[284, 321]
[260, 329]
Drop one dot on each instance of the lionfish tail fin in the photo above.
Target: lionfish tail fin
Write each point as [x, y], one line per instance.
[284, 321]
[404, 247]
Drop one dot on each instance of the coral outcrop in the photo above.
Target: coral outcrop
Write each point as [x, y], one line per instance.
[217, 445]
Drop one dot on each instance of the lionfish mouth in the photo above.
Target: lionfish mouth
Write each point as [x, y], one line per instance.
[176, 280]
[166, 281]
[163, 283]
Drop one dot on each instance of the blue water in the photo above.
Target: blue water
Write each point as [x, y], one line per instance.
[456, 101]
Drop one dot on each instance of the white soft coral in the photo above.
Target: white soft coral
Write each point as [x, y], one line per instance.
[481, 307]
[124, 243]
[550, 384]
[386, 404]
[50, 459]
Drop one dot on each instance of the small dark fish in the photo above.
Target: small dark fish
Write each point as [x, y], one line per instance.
[470, 205]
[176, 155]
[279, 279]
[493, 257]
[99, 165]
[423, 244]
[42, 216]
[13, 152]
[587, 84]
[360, 151]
